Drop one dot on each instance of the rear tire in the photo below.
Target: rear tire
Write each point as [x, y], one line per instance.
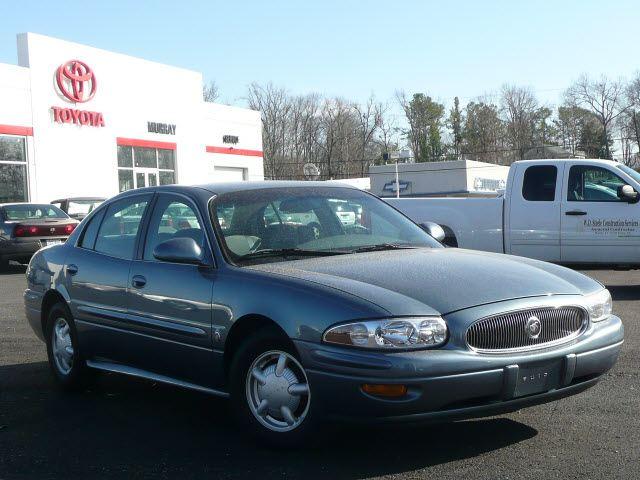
[270, 391]
[4, 265]
[65, 359]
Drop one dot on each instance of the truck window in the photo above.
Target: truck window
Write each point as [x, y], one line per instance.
[539, 184]
[593, 184]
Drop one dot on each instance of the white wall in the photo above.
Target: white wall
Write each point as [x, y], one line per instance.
[73, 160]
[220, 120]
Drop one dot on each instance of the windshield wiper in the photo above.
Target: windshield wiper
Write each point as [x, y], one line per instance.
[381, 246]
[276, 252]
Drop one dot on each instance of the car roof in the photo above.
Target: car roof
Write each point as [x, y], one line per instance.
[14, 204]
[228, 187]
[79, 198]
[587, 161]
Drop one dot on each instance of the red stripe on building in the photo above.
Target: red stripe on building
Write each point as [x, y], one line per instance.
[134, 142]
[235, 151]
[15, 130]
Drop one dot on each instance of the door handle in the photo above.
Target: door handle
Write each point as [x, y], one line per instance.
[72, 269]
[575, 212]
[138, 281]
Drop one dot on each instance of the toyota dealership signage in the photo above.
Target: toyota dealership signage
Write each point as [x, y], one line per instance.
[76, 83]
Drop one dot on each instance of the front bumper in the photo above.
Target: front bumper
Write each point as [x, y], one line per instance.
[454, 384]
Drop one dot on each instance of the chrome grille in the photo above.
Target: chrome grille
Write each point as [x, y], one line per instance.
[508, 331]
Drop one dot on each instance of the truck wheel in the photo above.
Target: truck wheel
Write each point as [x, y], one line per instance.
[65, 359]
[270, 390]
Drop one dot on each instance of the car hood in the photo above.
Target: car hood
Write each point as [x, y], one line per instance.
[435, 280]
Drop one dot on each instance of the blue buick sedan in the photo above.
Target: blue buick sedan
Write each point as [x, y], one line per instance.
[303, 301]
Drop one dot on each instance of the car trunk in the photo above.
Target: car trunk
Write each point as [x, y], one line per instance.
[47, 230]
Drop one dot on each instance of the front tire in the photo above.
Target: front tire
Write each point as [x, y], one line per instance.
[270, 390]
[65, 360]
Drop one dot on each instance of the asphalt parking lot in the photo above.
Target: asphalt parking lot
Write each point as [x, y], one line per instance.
[124, 428]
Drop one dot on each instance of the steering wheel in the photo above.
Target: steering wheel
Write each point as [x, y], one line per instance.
[317, 229]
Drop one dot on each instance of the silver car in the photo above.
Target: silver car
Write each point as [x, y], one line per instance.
[299, 323]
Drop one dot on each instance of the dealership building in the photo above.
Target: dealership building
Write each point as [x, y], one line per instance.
[79, 121]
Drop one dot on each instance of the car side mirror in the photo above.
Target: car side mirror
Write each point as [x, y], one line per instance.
[179, 250]
[628, 194]
[433, 229]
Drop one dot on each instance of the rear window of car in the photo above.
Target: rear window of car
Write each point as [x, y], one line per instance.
[82, 207]
[32, 212]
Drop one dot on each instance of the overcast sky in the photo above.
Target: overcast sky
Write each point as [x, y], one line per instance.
[352, 49]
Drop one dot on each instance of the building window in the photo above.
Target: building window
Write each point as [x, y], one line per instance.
[13, 170]
[145, 167]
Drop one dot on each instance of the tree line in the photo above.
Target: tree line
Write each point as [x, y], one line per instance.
[597, 118]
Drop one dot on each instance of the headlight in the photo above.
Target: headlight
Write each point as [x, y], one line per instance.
[599, 305]
[390, 334]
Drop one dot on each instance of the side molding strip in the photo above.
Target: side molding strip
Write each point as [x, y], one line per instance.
[136, 372]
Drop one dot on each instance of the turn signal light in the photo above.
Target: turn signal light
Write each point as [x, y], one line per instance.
[385, 390]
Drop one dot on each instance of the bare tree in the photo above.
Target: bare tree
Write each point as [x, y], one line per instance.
[387, 137]
[633, 99]
[369, 118]
[339, 131]
[604, 97]
[210, 92]
[274, 105]
[519, 105]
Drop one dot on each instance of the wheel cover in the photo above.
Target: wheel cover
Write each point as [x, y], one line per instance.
[61, 346]
[278, 391]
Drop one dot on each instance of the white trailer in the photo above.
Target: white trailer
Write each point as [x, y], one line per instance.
[459, 178]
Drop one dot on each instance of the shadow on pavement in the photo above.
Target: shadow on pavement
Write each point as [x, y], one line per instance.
[624, 292]
[13, 268]
[124, 427]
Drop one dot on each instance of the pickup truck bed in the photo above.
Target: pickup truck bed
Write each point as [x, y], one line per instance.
[467, 221]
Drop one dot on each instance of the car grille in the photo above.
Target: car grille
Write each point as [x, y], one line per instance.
[513, 331]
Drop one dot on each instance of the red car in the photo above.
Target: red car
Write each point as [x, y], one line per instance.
[27, 227]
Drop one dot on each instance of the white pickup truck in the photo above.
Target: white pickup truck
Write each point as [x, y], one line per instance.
[581, 212]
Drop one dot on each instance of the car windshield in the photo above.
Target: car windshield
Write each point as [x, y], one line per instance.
[82, 207]
[32, 212]
[630, 171]
[295, 222]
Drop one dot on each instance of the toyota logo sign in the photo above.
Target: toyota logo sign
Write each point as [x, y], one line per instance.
[76, 81]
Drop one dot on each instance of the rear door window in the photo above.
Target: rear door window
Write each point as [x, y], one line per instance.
[119, 229]
[90, 233]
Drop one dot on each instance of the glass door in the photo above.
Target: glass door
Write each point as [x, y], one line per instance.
[146, 177]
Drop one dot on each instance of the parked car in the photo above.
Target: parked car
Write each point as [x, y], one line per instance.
[78, 207]
[574, 212]
[27, 227]
[384, 324]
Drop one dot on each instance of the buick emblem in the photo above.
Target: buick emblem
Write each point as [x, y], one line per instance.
[52, 230]
[533, 327]
[76, 81]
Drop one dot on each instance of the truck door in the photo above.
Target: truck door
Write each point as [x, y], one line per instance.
[597, 226]
[532, 226]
